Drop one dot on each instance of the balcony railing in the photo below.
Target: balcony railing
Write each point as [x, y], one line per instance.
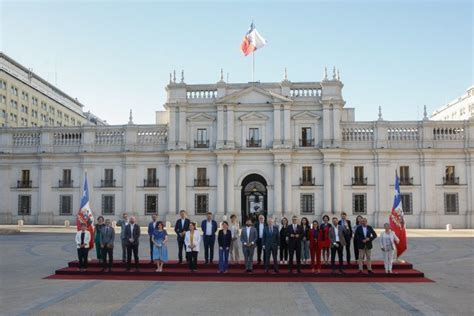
[107, 183]
[359, 181]
[406, 181]
[23, 184]
[451, 180]
[201, 182]
[307, 142]
[201, 144]
[151, 183]
[65, 183]
[254, 143]
[307, 181]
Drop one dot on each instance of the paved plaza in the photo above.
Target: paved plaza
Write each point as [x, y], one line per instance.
[29, 257]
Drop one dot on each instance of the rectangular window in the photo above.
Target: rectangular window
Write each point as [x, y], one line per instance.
[359, 203]
[151, 180]
[405, 175]
[201, 173]
[108, 174]
[307, 203]
[253, 134]
[450, 176]
[65, 205]
[451, 203]
[151, 204]
[307, 176]
[407, 203]
[24, 205]
[108, 204]
[25, 176]
[306, 137]
[201, 203]
[359, 178]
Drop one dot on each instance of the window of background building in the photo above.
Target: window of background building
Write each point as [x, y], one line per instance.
[108, 204]
[24, 205]
[307, 203]
[359, 203]
[451, 203]
[151, 204]
[201, 203]
[65, 204]
[407, 203]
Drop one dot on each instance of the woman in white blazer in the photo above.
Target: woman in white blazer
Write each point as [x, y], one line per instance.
[83, 238]
[192, 240]
[387, 243]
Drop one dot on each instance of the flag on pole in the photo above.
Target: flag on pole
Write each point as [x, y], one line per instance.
[397, 221]
[85, 213]
[252, 41]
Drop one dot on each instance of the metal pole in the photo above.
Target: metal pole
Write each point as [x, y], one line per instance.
[253, 66]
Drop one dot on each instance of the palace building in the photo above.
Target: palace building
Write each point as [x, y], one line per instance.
[279, 149]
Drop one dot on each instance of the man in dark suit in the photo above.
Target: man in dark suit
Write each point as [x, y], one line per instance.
[364, 236]
[347, 230]
[271, 239]
[180, 228]
[260, 227]
[336, 236]
[295, 234]
[107, 238]
[209, 228]
[132, 236]
[151, 229]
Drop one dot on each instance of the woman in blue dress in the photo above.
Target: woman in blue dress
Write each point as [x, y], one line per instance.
[160, 250]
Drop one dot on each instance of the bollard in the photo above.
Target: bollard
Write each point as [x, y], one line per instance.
[20, 223]
[168, 224]
[114, 223]
[449, 227]
[67, 223]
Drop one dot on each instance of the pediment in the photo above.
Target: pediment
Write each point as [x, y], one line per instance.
[201, 117]
[306, 115]
[253, 116]
[253, 95]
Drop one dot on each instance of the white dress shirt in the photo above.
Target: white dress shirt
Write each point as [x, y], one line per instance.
[209, 228]
[260, 230]
[364, 229]
[132, 226]
[336, 233]
[248, 233]
[182, 223]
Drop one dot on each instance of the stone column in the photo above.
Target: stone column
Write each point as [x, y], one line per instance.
[230, 189]
[287, 122]
[337, 188]
[326, 126]
[129, 193]
[230, 126]
[429, 211]
[220, 127]
[45, 213]
[336, 121]
[171, 190]
[182, 187]
[5, 195]
[276, 125]
[220, 189]
[327, 188]
[288, 191]
[182, 127]
[277, 190]
[172, 128]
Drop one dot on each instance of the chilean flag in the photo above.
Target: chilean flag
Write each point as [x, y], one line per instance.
[85, 213]
[397, 222]
[252, 41]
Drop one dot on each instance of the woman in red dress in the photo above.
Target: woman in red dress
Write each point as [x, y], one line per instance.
[314, 248]
[324, 241]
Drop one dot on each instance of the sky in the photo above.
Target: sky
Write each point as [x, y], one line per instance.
[116, 56]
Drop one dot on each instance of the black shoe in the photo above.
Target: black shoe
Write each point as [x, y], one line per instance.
[212, 262]
[360, 272]
[206, 262]
[341, 272]
[299, 271]
[103, 270]
[110, 270]
[370, 272]
[128, 269]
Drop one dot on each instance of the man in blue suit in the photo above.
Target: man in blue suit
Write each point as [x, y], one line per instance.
[209, 228]
[180, 228]
[271, 239]
[151, 229]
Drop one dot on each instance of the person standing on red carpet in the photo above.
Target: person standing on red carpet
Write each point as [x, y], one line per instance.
[271, 239]
[234, 246]
[107, 238]
[180, 228]
[224, 239]
[248, 238]
[295, 234]
[388, 239]
[346, 225]
[160, 241]
[314, 249]
[209, 229]
[151, 229]
[336, 235]
[284, 241]
[192, 240]
[122, 223]
[324, 241]
[132, 236]
[365, 234]
[83, 238]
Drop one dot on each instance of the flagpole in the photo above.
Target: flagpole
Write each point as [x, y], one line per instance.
[253, 66]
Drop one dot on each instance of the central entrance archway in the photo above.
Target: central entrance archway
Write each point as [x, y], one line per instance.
[254, 197]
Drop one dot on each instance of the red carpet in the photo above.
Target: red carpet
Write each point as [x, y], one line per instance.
[179, 272]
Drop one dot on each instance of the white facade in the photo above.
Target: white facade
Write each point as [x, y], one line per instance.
[254, 140]
[461, 108]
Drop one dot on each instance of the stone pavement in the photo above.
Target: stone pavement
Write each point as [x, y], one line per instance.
[28, 257]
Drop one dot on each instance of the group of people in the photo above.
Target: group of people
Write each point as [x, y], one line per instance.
[298, 243]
